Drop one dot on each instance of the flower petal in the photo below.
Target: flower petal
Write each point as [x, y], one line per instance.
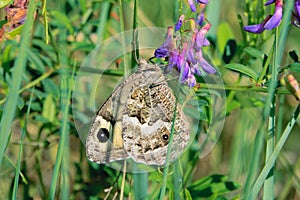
[275, 20]
[205, 65]
[269, 2]
[179, 23]
[167, 46]
[161, 52]
[192, 5]
[297, 7]
[202, 1]
[191, 81]
[255, 28]
[200, 19]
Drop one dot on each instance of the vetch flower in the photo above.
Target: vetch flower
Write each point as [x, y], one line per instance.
[271, 21]
[202, 1]
[200, 19]
[205, 65]
[167, 46]
[275, 20]
[185, 54]
[257, 28]
[296, 14]
[192, 4]
[183, 51]
[179, 23]
[200, 39]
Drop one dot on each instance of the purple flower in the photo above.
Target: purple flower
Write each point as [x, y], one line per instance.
[296, 14]
[203, 1]
[270, 22]
[200, 39]
[192, 5]
[167, 46]
[179, 23]
[257, 28]
[190, 80]
[205, 65]
[275, 20]
[269, 2]
[183, 52]
[173, 59]
[200, 19]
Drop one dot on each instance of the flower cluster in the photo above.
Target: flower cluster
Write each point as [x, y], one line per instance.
[271, 21]
[184, 52]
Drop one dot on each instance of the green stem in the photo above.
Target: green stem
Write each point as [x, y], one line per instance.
[273, 157]
[259, 138]
[122, 27]
[269, 183]
[140, 185]
[166, 169]
[102, 21]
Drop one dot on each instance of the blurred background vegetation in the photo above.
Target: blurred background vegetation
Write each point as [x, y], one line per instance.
[37, 121]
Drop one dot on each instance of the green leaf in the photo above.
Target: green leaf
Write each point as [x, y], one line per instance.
[20, 103]
[4, 3]
[49, 108]
[35, 60]
[213, 185]
[295, 67]
[2, 22]
[51, 87]
[15, 32]
[63, 20]
[232, 105]
[197, 113]
[255, 53]
[185, 194]
[242, 69]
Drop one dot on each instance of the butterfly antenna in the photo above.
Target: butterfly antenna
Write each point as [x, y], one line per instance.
[135, 45]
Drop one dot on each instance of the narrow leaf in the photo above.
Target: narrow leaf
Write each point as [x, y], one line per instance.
[242, 69]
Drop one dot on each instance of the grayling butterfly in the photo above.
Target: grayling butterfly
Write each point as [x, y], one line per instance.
[137, 119]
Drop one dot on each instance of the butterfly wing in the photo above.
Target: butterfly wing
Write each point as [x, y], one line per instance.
[147, 123]
[104, 141]
[136, 121]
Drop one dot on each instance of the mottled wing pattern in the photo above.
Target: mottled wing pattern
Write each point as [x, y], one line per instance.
[104, 141]
[147, 124]
[136, 121]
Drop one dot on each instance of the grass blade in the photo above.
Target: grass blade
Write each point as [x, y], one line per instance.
[19, 68]
[63, 142]
[18, 170]
[62, 158]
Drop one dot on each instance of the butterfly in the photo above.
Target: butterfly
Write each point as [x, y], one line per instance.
[137, 119]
